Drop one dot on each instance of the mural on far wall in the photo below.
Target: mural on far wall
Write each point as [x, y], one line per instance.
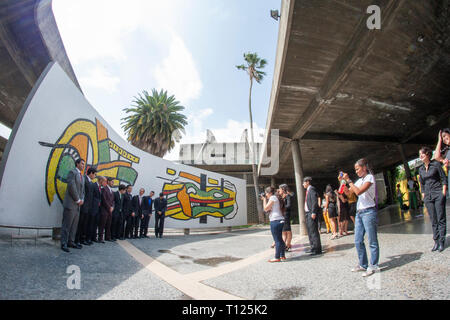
[191, 197]
[77, 140]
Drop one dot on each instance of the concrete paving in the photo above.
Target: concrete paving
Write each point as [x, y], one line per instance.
[230, 265]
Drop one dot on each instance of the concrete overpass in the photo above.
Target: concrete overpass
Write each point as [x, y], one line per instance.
[29, 40]
[341, 91]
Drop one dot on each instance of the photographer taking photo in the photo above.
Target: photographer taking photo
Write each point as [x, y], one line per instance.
[274, 205]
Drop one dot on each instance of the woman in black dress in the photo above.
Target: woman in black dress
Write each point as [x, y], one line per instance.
[287, 197]
[331, 207]
[433, 183]
[343, 214]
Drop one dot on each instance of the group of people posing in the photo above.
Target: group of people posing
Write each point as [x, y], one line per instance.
[93, 212]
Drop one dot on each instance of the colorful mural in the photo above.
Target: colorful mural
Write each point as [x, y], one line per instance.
[79, 138]
[191, 197]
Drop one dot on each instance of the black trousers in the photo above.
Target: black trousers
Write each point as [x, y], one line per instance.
[144, 224]
[115, 225]
[129, 220]
[94, 221]
[436, 210]
[136, 224]
[313, 233]
[159, 224]
[81, 230]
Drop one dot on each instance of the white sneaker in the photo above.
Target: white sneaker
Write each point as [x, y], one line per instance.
[370, 271]
[358, 269]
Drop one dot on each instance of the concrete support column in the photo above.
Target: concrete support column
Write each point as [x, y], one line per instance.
[298, 171]
[405, 162]
[187, 231]
[272, 182]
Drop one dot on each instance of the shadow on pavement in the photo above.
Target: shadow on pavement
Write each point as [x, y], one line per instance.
[400, 260]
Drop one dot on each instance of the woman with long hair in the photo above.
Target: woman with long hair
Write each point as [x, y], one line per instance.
[434, 188]
[287, 198]
[331, 207]
[274, 205]
[366, 217]
[442, 152]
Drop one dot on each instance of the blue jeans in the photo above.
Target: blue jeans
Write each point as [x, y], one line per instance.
[366, 221]
[276, 227]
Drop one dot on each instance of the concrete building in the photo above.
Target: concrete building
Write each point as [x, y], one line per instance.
[230, 158]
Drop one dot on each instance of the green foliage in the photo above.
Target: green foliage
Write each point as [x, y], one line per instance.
[154, 123]
[252, 65]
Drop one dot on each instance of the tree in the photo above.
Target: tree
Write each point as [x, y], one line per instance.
[155, 123]
[253, 65]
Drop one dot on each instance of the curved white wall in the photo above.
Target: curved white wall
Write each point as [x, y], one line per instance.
[58, 124]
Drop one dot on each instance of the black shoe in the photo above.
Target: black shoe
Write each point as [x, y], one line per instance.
[315, 253]
[84, 243]
[65, 249]
[90, 243]
[94, 240]
[75, 246]
[101, 241]
[436, 246]
[441, 247]
[160, 236]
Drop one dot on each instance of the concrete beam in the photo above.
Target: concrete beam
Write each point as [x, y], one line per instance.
[355, 52]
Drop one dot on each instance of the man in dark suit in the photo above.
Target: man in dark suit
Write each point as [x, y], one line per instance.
[106, 210]
[147, 204]
[94, 219]
[137, 208]
[117, 215]
[85, 215]
[312, 216]
[73, 200]
[128, 211]
[160, 213]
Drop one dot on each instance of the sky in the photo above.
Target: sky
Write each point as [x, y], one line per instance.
[189, 48]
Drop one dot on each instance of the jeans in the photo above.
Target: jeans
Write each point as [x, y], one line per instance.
[276, 227]
[366, 221]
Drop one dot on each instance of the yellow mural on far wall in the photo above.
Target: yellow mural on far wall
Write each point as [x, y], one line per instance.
[191, 197]
[78, 139]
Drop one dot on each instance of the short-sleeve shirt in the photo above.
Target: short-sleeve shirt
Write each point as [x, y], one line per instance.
[275, 213]
[366, 199]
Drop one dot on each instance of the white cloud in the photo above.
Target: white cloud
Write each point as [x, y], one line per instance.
[178, 74]
[97, 29]
[102, 79]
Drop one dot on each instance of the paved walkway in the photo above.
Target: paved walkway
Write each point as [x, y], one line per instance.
[230, 266]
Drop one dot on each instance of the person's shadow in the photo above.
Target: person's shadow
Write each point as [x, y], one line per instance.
[400, 260]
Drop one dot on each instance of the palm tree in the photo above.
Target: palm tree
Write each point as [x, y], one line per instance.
[155, 123]
[253, 65]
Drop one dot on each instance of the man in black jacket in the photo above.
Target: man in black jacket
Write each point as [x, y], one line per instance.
[82, 236]
[117, 215]
[128, 212]
[137, 208]
[312, 213]
[147, 205]
[160, 212]
[94, 220]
